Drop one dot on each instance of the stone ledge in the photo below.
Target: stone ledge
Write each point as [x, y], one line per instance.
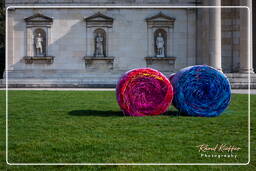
[92, 58]
[240, 80]
[94, 82]
[86, 82]
[93, 85]
[163, 64]
[240, 75]
[171, 60]
[38, 59]
[89, 61]
[60, 86]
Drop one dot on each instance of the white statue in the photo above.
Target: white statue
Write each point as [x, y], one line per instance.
[99, 45]
[39, 44]
[159, 45]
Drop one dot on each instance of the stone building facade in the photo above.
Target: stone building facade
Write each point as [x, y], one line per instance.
[83, 43]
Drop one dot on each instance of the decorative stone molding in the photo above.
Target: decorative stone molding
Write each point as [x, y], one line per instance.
[99, 20]
[170, 60]
[160, 20]
[38, 24]
[163, 24]
[91, 62]
[95, 24]
[38, 59]
[38, 20]
[161, 63]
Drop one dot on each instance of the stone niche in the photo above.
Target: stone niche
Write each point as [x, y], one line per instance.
[98, 36]
[38, 38]
[160, 42]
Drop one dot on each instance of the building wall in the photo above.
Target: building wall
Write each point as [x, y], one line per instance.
[230, 32]
[128, 39]
[230, 36]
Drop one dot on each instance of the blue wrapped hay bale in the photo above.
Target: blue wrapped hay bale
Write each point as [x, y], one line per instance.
[201, 91]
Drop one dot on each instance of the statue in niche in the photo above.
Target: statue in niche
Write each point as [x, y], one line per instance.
[160, 45]
[39, 45]
[99, 43]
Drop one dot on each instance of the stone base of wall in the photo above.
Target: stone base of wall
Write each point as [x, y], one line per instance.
[240, 81]
[2, 83]
[237, 80]
[59, 85]
[89, 82]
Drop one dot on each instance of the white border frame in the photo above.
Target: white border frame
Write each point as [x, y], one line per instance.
[125, 7]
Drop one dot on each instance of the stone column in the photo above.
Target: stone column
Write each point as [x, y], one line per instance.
[245, 38]
[215, 34]
[11, 38]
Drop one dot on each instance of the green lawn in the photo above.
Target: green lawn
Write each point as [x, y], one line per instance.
[88, 127]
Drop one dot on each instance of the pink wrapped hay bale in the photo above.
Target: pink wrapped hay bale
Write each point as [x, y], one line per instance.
[143, 92]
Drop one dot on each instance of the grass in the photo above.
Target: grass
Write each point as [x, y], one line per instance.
[88, 127]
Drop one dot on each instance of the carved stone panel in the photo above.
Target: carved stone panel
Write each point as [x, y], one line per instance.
[98, 63]
[161, 64]
[38, 60]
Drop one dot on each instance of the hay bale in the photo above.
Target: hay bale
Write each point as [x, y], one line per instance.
[201, 91]
[143, 92]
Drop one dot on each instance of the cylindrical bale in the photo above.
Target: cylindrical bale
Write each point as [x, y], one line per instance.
[143, 92]
[200, 91]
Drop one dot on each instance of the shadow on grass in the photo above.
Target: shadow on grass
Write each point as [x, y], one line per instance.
[95, 113]
[115, 113]
[175, 113]
[179, 114]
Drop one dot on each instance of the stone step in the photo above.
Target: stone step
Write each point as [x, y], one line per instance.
[238, 81]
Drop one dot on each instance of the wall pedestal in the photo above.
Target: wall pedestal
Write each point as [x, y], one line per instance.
[98, 63]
